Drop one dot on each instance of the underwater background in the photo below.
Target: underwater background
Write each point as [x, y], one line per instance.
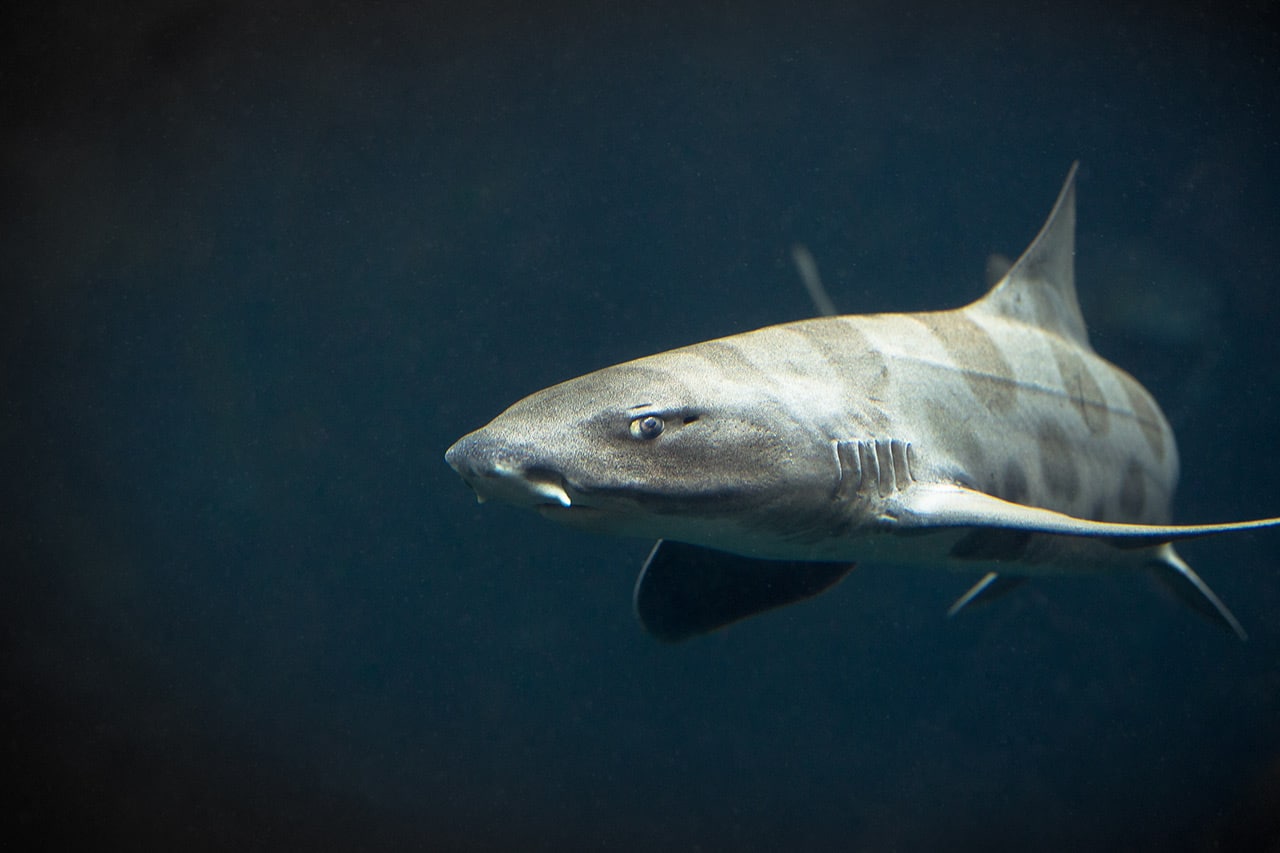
[264, 262]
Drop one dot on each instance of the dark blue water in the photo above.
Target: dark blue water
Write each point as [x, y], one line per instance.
[262, 267]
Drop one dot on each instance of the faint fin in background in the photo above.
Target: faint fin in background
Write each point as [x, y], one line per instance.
[991, 587]
[998, 267]
[808, 269]
[1158, 305]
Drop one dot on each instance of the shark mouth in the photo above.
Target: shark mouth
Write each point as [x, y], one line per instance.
[505, 475]
[547, 486]
[536, 489]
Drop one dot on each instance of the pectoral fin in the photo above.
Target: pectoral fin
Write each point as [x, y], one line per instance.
[686, 590]
[939, 505]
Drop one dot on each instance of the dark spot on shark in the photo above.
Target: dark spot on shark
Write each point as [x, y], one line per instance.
[846, 348]
[1056, 465]
[727, 357]
[951, 432]
[1013, 485]
[1080, 387]
[1148, 418]
[1133, 492]
[976, 355]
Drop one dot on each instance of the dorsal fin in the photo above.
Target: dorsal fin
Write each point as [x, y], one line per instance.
[1040, 288]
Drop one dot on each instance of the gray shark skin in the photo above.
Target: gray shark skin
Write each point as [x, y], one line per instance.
[990, 438]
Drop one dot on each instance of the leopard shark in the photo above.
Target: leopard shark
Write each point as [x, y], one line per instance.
[990, 438]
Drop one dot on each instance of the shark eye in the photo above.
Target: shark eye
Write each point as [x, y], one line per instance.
[647, 427]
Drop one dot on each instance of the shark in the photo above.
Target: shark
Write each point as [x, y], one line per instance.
[989, 438]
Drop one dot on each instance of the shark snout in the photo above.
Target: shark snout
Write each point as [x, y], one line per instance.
[469, 456]
[497, 471]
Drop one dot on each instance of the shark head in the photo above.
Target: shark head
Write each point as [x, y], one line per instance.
[651, 448]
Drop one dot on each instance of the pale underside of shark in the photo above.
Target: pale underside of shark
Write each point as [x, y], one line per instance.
[989, 438]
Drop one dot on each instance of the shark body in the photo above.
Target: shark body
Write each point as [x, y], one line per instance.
[989, 438]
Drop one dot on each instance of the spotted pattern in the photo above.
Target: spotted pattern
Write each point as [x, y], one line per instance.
[955, 434]
[727, 356]
[972, 350]
[1144, 410]
[1082, 389]
[843, 344]
[1056, 463]
[1133, 492]
[1013, 485]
